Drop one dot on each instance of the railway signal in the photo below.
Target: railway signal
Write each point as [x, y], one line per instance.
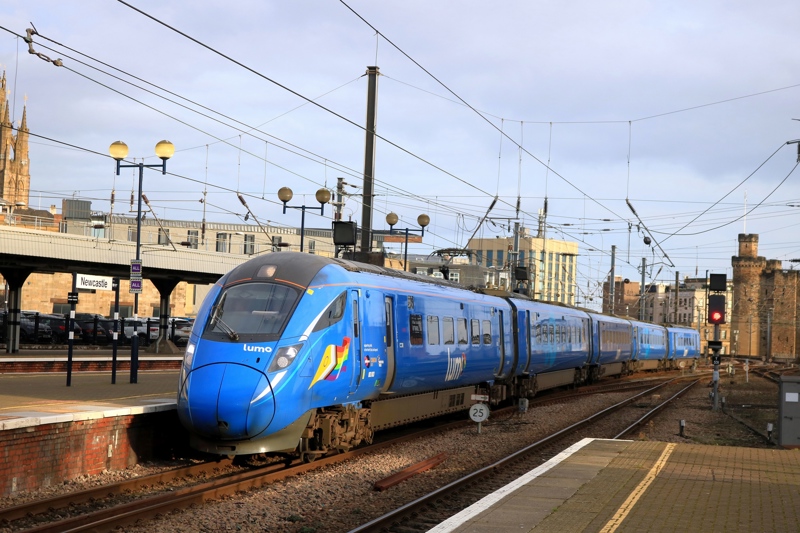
[716, 309]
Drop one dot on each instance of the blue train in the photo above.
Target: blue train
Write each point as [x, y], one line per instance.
[299, 354]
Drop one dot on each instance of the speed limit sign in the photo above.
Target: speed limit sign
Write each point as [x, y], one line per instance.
[479, 412]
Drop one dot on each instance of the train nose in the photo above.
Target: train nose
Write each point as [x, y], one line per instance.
[228, 401]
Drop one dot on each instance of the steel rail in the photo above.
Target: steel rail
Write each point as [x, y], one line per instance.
[653, 412]
[383, 522]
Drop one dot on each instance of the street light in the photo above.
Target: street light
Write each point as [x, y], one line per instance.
[119, 151]
[423, 220]
[323, 196]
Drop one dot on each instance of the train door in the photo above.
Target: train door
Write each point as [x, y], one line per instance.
[502, 349]
[355, 344]
[529, 340]
[388, 305]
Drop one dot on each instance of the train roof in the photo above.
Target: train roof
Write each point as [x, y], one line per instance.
[300, 268]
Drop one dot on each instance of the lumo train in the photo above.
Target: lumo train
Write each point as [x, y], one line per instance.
[298, 354]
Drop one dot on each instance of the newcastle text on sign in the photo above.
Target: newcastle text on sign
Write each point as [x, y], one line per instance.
[100, 283]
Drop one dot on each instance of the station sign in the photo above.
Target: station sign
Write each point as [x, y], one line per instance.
[402, 238]
[136, 268]
[100, 283]
[72, 297]
[136, 286]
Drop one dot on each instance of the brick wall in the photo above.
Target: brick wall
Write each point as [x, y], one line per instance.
[40, 456]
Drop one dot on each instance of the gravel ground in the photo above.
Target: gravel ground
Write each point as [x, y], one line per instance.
[340, 498]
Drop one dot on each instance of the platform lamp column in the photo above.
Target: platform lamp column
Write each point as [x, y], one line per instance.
[119, 151]
[423, 220]
[285, 195]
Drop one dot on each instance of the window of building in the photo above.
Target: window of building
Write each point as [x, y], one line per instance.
[500, 258]
[163, 235]
[455, 276]
[312, 247]
[223, 242]
[132, 234]
[433, 329]
[192, 238]
[489, 257]
[249, 247]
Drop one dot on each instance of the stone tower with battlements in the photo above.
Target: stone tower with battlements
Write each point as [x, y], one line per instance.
[765, 306]
[15, 175]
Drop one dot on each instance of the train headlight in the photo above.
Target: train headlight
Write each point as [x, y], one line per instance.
[284, 357]
[188, 357]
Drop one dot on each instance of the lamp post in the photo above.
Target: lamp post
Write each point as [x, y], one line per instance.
[119, 151]
[323, 196]
[423, 220]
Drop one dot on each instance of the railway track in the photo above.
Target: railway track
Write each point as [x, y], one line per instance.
[433, 508]
[117, 514]
[227, 481]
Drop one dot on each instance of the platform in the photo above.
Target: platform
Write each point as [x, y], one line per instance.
[44, 398]
[632, 486]
[50, 433]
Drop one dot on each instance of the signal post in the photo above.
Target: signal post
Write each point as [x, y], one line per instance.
[716, 316]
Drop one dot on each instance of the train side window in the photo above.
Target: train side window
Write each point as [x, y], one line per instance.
[537, 333]
[333, 313]
[476, 331]
[415, 327]
[448, 331]
[487, 332]
[552, 334]
[356, 323]
[463, 337]
[433, 329]
[387, 308]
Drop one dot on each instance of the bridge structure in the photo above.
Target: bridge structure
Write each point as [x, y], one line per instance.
[24, 251]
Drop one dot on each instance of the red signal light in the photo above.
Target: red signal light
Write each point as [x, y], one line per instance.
[716, 309]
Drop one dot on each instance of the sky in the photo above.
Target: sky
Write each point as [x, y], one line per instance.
[682, 110]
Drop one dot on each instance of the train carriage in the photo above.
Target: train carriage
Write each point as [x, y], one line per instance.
[683, 346]
[612, 346]
[650, 346]
[552, 345]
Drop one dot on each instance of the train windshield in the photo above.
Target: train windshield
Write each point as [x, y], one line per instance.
[251, 311]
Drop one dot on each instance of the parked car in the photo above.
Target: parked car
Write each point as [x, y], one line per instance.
[179, 331]
[145, 328]
[93, 333]
[29, 330]
[57, 323]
